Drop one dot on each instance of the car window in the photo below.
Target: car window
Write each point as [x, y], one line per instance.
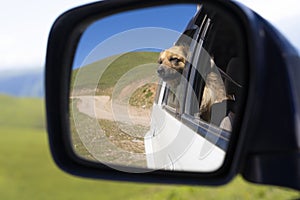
[209, 87]
[175, 97]
[208, 93]
[216, 86]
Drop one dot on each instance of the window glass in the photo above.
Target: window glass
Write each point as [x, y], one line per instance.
[215, 81]
[175, 94]
[207, 87]
[177, 58]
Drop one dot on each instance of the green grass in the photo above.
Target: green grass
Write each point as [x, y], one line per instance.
[123, 64]
[27, 170]
[104, 74]
[144, 96]
[22, 112]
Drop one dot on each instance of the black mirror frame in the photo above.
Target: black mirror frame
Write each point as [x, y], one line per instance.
[62, 43]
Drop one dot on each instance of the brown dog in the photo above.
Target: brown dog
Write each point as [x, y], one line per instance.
[172, 62]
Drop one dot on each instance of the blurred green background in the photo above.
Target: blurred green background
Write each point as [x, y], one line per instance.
[27, 170]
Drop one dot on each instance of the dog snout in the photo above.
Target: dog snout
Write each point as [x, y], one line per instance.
[160, 70]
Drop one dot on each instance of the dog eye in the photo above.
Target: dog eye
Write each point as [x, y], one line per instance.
[176, 60]
[159, 61]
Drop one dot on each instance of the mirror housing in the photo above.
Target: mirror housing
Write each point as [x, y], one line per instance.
[260, 152]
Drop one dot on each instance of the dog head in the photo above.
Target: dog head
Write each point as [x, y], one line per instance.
[172, 62]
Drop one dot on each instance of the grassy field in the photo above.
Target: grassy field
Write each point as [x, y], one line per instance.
[15, 110]
[28, 172]
[105, 73]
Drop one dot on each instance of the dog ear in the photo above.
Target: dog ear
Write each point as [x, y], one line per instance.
[159, 60]
[186, 52]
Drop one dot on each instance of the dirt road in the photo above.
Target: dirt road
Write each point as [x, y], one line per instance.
[102, 107]
[110, 132]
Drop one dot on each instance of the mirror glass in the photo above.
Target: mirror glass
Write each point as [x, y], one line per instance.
[157, 88]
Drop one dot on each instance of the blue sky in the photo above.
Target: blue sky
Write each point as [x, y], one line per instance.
[25, 26]
[155, 28]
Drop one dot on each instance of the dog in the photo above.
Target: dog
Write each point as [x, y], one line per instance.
[171, 65]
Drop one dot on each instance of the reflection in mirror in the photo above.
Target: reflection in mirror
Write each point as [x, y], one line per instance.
[153, 89]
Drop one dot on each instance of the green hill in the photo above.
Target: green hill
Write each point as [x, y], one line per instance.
[22, 112]
[105, 73]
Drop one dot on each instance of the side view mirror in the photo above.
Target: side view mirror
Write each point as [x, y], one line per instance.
[172, 92]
